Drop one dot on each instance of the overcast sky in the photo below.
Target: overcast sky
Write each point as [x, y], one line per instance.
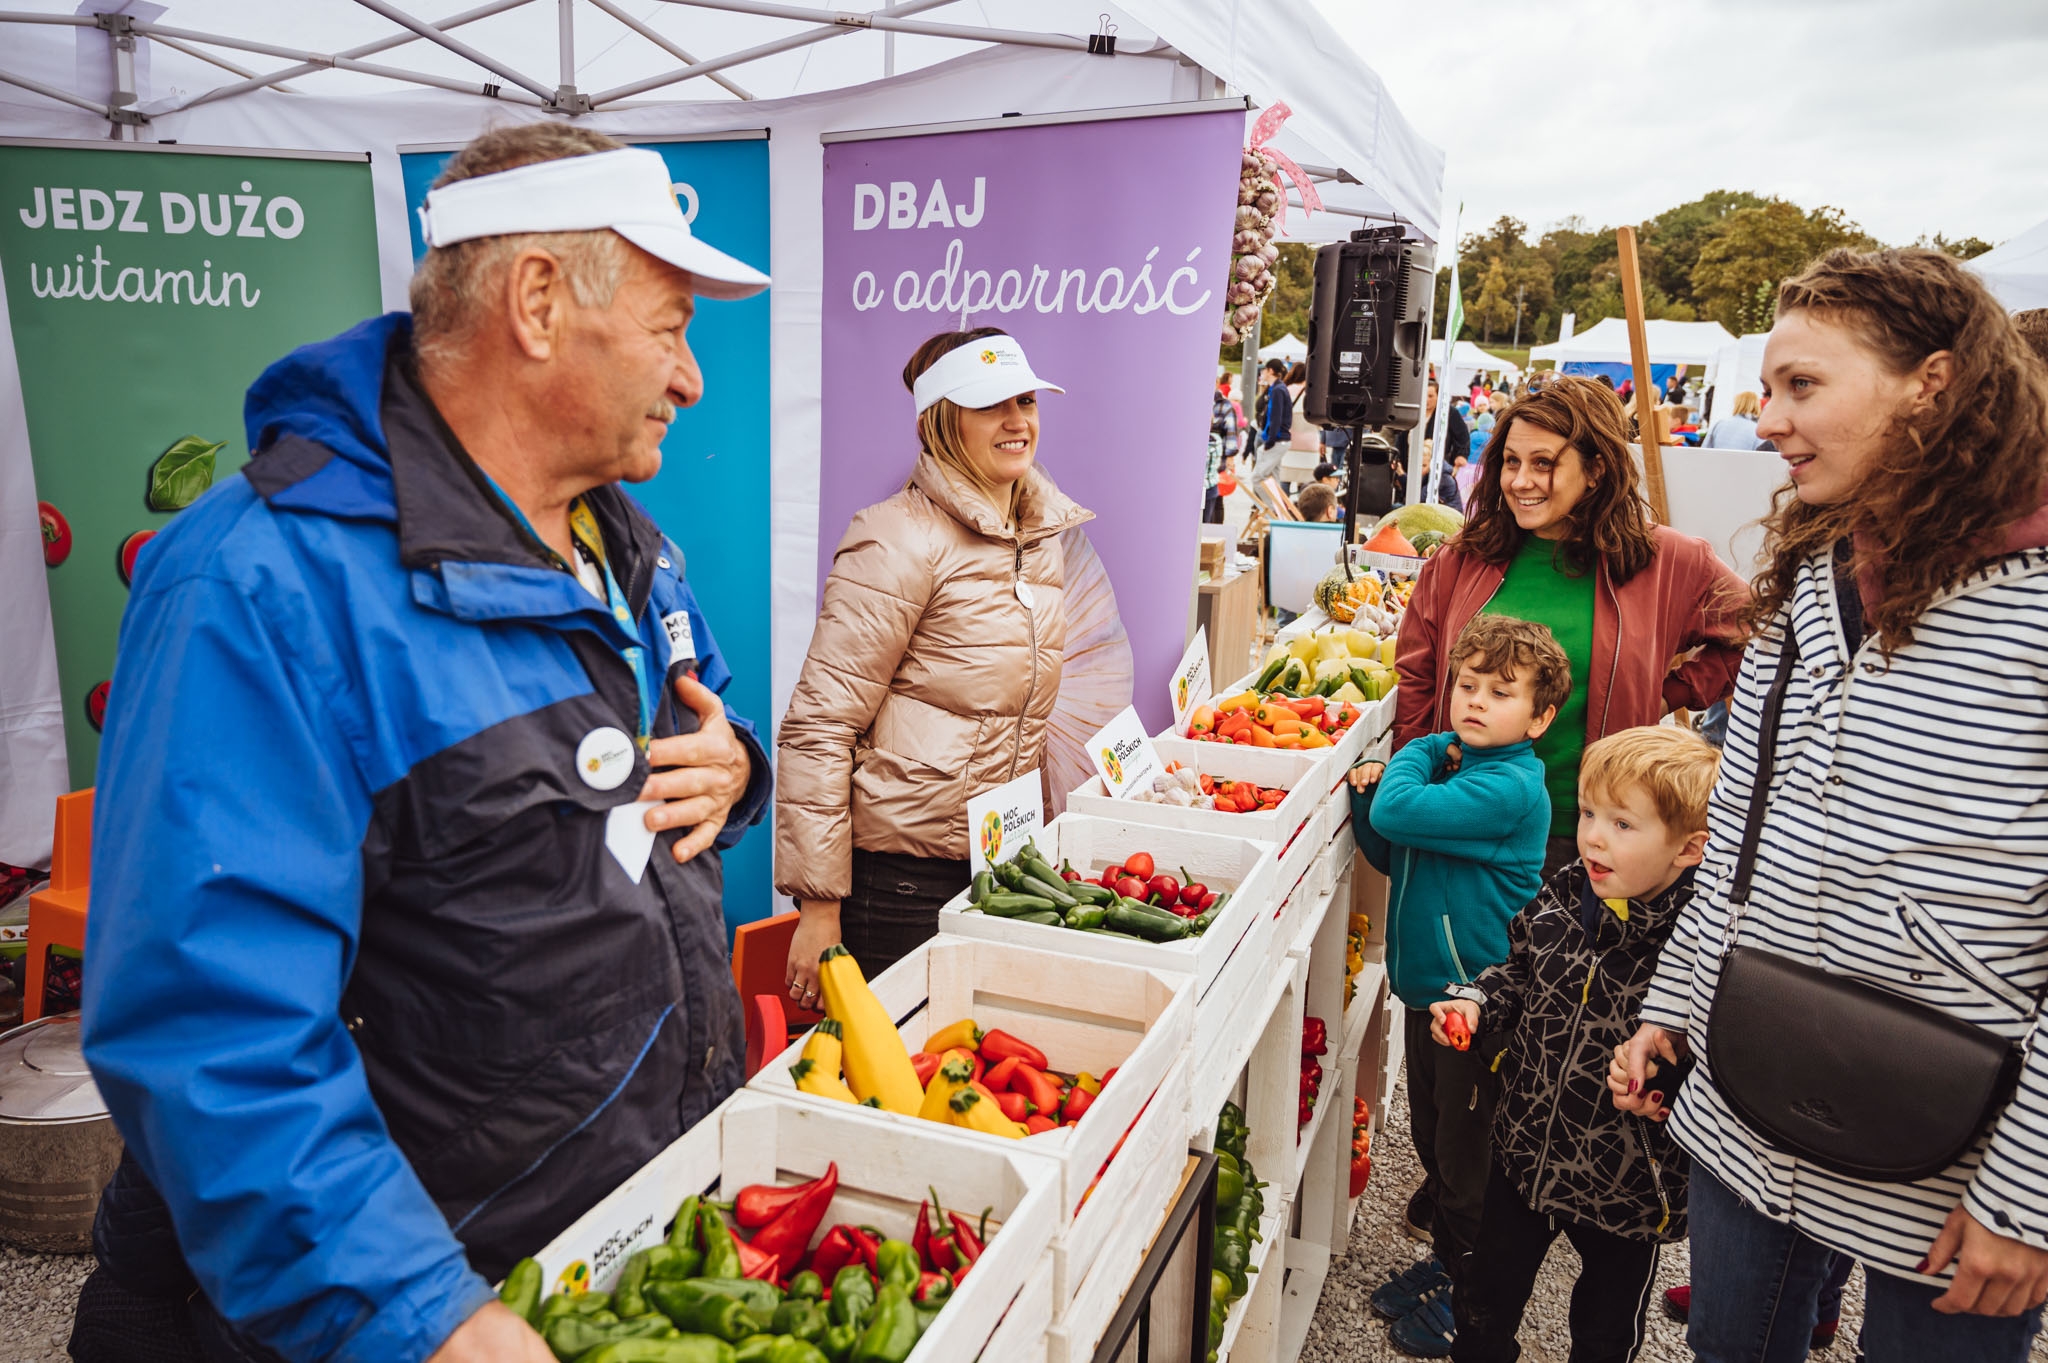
[1912, 116]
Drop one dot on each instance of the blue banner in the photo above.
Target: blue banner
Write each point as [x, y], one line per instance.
[711, 495]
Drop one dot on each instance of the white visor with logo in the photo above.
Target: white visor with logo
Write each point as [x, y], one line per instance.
[628, 191]
[979, 374]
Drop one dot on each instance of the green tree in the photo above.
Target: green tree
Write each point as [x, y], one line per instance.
[1753, 249]
[1494, 308]
[1671, 242]
[1962, 248]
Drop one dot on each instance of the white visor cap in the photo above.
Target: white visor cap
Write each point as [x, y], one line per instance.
[627, 191]
[979, 374]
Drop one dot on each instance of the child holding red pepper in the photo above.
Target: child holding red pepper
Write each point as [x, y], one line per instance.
[1580, 959]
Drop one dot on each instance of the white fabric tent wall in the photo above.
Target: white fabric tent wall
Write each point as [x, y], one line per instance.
[988, 83]
[1290, 348]
[2017, 271]
[1735, 368]
[1669, 342]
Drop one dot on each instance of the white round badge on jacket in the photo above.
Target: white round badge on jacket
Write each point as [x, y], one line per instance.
[604, 759]
[1024, 594]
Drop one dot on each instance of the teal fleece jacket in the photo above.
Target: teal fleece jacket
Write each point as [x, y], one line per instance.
[1464, 851]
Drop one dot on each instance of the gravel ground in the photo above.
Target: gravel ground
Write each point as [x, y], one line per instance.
[37, 1293]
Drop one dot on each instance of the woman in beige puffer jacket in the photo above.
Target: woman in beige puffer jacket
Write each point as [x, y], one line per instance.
[933, 670]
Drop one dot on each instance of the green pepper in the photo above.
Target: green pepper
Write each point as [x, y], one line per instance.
[801, 1317]
[789, 1349]
[761, 1298]
[573, 1336]
[891, 1331]
[1126, 916]
[560, 1304]
[687, 1349]
[925, 1316]
[521, 1291]
[1245, 1220]
[703, 1313]
[626, 1292]
[896, 1262]
[721, 1255]
[981, 887]
[1088, 916]
[1219, 1316]
[1270, 673]
[754, 1348]
[677, 1264]
[1011, 905]
[590, 1303]
[1045, 918]
[1231, 1255]
[1229, 1186]
[1219, 1288]
[839, 1341]
[807, 1284]
[682, 1232]
[853, 1293]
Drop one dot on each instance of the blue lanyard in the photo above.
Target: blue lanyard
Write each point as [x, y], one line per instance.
[583, 528]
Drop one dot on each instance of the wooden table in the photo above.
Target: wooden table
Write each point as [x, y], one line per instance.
[1229, 609]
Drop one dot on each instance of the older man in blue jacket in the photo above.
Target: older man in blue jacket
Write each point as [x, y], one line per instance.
[406, 942]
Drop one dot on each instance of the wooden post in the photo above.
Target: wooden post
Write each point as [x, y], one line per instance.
[1649, 423]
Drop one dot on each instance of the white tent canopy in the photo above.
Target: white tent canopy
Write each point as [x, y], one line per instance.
[1735, 368]
[207, 73]
[1670, 343]
[1467, 358]
[1290, 348]
[2018, 271]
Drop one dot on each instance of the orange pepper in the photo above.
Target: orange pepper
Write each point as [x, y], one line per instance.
[1293, 741]
[1260, 738]
[1285, 723]
[1203, 720]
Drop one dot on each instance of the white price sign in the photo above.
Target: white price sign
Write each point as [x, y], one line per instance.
[1000, 819]
[1123, 754]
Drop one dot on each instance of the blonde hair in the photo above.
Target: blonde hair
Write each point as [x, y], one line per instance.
[1674, 767]
[1749, 405]
[938, 426]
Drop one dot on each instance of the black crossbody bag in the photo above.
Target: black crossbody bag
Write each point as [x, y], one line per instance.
[1837, 1072]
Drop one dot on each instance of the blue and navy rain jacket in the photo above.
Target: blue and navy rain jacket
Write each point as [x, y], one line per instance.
[372, 1005]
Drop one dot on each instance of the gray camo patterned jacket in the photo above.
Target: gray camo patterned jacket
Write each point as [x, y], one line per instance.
[1564, 1001]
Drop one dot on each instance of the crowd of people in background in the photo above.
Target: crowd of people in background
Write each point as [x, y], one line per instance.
[1576, 879]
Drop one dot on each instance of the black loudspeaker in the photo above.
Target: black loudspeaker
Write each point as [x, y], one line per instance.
[1368, 330]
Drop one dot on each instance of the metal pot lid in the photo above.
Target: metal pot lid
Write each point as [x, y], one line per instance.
[43, 1075]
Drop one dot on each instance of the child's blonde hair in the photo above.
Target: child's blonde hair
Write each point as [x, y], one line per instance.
[1674, 767]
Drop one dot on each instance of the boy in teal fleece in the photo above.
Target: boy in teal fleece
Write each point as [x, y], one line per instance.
[1458, 822]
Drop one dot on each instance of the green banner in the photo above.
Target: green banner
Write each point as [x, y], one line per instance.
[148, 286]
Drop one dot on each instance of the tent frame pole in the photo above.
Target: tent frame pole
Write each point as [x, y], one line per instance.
[318, 59]
[680, 54]
[887, 21]
[459, 48]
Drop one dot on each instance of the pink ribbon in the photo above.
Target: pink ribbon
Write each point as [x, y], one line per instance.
[1268, 124]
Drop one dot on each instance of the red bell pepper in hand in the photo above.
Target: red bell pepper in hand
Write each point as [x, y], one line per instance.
[1457, 1030]
[785, 1238]
[998, 1046]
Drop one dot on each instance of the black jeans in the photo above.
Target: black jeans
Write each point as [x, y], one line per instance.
[895, 905]
[1451, 1097]
[1609, 1301]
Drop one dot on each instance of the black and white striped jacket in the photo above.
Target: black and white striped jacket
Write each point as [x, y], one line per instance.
[1905, 843]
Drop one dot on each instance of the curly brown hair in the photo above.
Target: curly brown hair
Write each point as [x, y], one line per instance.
[1511, 648]
[1951, 476]
[1610, 525]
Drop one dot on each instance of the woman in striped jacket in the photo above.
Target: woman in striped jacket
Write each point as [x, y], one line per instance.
[1905, 836]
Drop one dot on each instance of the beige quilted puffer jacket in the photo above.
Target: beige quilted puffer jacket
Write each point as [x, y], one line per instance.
[928, 679]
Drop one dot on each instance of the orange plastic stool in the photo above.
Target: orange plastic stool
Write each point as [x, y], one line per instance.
[56, 916]
[760, 967]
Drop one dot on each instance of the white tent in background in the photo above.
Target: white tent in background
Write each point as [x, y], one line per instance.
[1736, 368]
[1468, 359]
[1290, 348]
[1670, 343]
[2018, 271]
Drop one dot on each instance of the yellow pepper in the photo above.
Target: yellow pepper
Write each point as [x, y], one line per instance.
[975, 1113]
[962, 1034]
[947, 1080]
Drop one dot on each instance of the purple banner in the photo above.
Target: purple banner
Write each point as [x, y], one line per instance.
[1103, 247]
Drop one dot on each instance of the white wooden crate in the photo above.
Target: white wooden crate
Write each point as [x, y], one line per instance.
[1114, 1267]
[1084, 1014]
[1251, 1330]
[1097, 1257]
[1304, 777]
[1247, 868]
[1021, 1337]
[754, 1139]
[1377, 719]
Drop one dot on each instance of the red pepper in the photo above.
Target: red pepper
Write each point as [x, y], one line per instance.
[756, 1263]
[1109, 1074]
[1315, 1036]
[760, 1203]
[1038, 1122]
[1457, 1030]
[943, 1246]
[834, 1252]
[1015, 1106]
[1208, 901]
[970, 1236]
[921, 1238]
[1130, 887]
[932, 1289]
[1166, 887]
[1191, 890]
[1038, 1086]
[1139, 865]
[926, 1065]
[866, 1240]
[785, 1238]
[998, 1046]
[998, 1076]
[1110, 876]
[1078, 1102]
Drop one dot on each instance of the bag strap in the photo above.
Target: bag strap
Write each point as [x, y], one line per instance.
[1766, 764]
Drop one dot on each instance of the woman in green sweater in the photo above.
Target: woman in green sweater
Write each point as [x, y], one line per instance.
[1557, 532]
